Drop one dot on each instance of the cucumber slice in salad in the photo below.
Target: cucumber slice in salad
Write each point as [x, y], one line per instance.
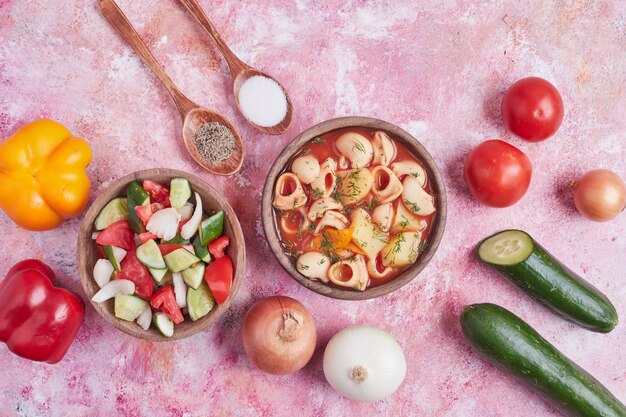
[180, 260]
[180, 192]
[201, 251]
[150, 255]
[114, 255]
[199, 301]
[178, 239]
[137, 196]
[114, 211]
[193, 276]
[159, 275]
[164, 323]
[129, 307]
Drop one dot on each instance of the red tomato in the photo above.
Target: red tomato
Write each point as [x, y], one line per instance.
[146, 236]
[218, 246]
[135, 271]
[497, 173]
[145, 212]
[532, 109]
[165, 300]
[118, 234]
[158, 192]
[166, 248]
[219, 275]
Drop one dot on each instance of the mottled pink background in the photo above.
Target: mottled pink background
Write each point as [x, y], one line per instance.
[436, 68]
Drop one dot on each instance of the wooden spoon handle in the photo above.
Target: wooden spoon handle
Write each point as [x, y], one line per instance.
[120, 23]
[235, 64]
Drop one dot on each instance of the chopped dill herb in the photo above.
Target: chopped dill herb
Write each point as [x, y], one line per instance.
[415, 174]
[413, 206]
[318, 140]
[302, 266]
[359, 147]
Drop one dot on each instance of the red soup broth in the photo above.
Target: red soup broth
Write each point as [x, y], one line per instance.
[295, 239]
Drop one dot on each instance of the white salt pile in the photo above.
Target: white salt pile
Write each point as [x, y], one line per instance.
[263, 101]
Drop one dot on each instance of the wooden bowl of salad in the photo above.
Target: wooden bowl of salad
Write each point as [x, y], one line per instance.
[354, 208]
[160, 254]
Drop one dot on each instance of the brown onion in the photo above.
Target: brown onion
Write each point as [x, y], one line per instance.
[279, 335]
[600, 195]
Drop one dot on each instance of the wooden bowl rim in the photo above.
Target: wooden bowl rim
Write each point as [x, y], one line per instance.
[85, 267]
[415, 147]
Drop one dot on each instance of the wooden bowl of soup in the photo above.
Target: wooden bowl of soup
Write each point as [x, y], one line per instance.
[354, 208]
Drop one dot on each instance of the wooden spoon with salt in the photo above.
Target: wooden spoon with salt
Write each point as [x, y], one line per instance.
[239, 70]
[192, 114]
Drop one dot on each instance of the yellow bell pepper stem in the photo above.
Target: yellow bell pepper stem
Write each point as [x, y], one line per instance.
[42, 175]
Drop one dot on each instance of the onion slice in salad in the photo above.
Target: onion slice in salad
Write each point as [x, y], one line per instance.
[164, 223]
[180, 289]
[191, 227]
[113, 288]
[145, 318]
[102, 271]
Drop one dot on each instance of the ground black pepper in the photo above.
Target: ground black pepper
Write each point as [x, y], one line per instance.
[215, 142]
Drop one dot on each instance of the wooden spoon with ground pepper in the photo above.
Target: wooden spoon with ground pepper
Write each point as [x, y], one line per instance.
[209, 137]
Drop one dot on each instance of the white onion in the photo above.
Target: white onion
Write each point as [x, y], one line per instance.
[95, 235]
[185, 211]
[102, 271]
[191, 227]
[164, 223]
[118, 253]
[145, 318]
[113, 288]
[364, 363]
[180, 289]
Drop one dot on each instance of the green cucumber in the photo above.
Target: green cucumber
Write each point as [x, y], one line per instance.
[158, 275]
[193, 276]
[180, 192]
[137, 196]
[178, 240]
[164, 323]
[518, 257]
[149, 254]
[129, 307]
[114, 255]
[200, 301]
[513, 345]
[180, 259]
[211, 228]
[201, 252]
[114, 211]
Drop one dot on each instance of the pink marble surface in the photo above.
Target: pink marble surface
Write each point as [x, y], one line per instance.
[437, 69]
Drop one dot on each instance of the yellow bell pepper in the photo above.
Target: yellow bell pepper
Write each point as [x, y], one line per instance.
[42, 175]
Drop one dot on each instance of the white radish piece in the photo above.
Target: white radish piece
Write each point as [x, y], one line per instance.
[145, 318]
[191, 227]
[185, 211]
[180, 289]
[113, 288]
[102, 271]
[164, 223]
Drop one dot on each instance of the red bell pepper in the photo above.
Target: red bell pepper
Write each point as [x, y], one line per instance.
[158, 192]
[38, 321]
[118, 234]
[165, 300]
[133, 270]
[219, 275]
[218, 246]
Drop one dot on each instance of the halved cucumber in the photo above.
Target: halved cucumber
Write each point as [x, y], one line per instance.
[199, 301]
[180, 192]
[115, 210]
[150, 255]
[178, 239]
[159, 275]
[193, 276]
[516, 255]
[211, 228]
[180, 259]
[201, 251]
[114, 255]
[164, 323]
[129, 307]
[137, 196]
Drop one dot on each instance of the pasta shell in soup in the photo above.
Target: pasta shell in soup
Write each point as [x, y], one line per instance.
[332, 219]
[405, 221]
[366, 235]
[387, 187]
[288, 192]
[293, 221]
[354, 185]
[383, 149]
[383, 216]
[411, 168]
[355, 148]
[306, 168]
[324, 185]
[416, 199]
[351, 273]
[321, 206]
[313, 265]
[373, 268]
[402, 250]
